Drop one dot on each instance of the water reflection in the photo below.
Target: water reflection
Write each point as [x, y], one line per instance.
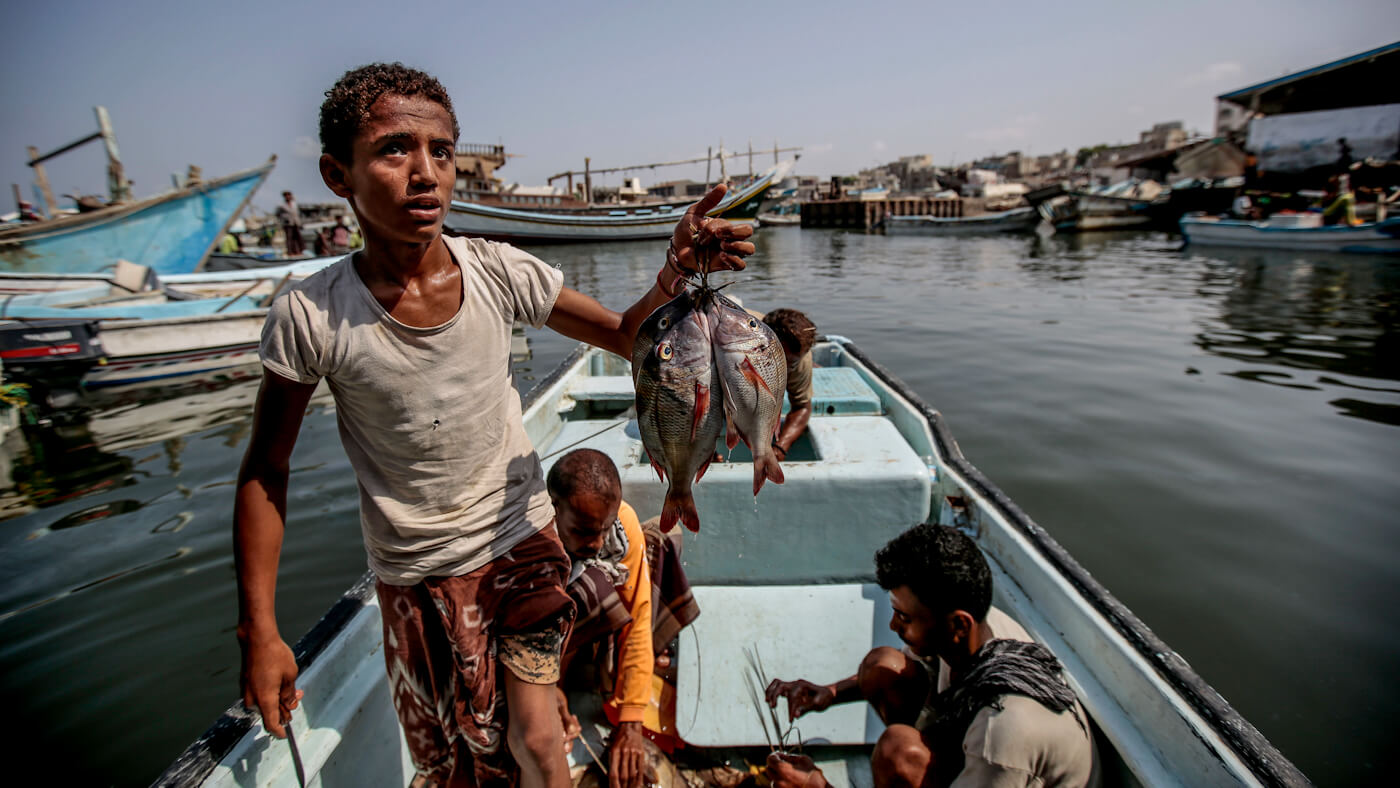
[1288, 316]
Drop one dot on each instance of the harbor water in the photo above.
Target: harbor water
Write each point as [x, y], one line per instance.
[1213, 433]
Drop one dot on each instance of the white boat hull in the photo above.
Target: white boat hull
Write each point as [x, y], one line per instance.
[1375, 238]
[1161, 723]
[1018, 220]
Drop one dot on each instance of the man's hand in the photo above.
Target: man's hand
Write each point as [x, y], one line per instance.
[268, 677]
[802, 696]
[626, 756]
[704, 245]
[793, 771]
[572, 728]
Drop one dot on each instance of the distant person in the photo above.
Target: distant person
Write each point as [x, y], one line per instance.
[340, 235]
[972, 701]
[1339, 202]
[1344, 160]
[798, 334]
[1243, 208]
[290, 218]
[623, 619]
[229, 244]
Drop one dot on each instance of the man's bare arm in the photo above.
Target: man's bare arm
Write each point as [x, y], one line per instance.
[793, 426]
[804, 696]
[269, 670]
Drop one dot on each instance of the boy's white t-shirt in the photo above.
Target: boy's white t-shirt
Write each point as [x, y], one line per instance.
[428, 416]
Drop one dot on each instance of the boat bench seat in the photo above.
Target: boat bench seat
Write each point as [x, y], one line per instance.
[840, 391]
[836, 391]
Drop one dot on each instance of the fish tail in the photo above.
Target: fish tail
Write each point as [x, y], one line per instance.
[764, 468]
[679, 506]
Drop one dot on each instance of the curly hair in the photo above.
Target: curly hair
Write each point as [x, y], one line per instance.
[941, 565]
[793, 328]
[348, 102]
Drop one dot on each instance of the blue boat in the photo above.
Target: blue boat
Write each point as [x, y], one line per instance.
[170, 233]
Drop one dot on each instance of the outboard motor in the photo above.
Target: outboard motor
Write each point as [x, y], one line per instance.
[51, 356]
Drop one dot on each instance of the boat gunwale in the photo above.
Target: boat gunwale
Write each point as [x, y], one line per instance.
[1263, 759]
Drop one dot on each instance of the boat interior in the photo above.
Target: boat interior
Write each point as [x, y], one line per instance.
[785, 586]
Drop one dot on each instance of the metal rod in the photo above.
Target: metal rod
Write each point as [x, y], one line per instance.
[709, 156]
[34, 158]
[42, 179]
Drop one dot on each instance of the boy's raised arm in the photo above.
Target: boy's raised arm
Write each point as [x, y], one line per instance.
[269, 670]
[715, 243]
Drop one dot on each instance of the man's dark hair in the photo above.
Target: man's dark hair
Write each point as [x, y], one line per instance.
[583, 471]
[793, 329]
[348, 102]
[941, 565]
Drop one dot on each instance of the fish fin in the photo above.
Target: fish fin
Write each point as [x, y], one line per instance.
[702, 407]
[731, 435]
[764, 468]
[751, 373]
[660, 472]
[679, 506]
[704, 467]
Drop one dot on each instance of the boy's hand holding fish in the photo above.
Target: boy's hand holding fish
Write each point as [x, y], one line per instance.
[702, 245]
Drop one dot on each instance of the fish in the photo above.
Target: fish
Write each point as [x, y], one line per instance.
[752, 369]
[679, 410]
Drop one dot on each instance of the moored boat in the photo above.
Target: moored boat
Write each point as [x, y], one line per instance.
[788, 577]
[1012, 221]
[643, 222]
[1299, 232]
[171, 233]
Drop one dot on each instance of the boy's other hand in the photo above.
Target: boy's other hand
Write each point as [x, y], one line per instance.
[269, 677]
[705, 245]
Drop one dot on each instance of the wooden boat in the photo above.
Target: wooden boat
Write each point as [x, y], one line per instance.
[200, 283]
[784, 215]
[789, 578]
[1013, 221]
[171, 233]
[1121, 206]
[645, 222]
[1298, 232]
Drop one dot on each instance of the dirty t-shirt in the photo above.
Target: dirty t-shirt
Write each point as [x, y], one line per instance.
[1023, 743]
[448, 478]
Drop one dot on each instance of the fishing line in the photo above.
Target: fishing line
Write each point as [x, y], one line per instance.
[585, 438]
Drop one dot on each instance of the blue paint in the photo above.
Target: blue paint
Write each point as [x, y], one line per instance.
[171, 237]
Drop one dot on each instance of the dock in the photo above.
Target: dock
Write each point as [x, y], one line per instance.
[867, 214]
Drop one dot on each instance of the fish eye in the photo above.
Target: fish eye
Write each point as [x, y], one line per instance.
[663, 323]
[753, 323]
[664, 351]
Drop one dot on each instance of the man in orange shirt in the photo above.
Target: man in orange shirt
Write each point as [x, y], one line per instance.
[610, 582]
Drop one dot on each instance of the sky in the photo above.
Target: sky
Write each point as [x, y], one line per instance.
[226, 85]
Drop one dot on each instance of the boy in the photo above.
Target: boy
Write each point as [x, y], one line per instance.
[412, 334]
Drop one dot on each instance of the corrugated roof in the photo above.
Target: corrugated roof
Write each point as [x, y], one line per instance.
[1279, 90]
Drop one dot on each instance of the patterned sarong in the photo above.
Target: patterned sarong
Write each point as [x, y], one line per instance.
[442, 640]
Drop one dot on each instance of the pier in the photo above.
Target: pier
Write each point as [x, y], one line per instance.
[867, 214]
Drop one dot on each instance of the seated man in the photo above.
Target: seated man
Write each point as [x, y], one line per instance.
[621, 605]
[993, 710]
[797, 334]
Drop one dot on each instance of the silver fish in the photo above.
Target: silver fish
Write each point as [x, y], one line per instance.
[679, 412]
[753, 376]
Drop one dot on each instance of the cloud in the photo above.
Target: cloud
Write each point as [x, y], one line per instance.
[1019, 128]
[1215, 72]
[306, 148]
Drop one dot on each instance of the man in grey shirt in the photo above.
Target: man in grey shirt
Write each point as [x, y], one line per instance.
[971, 701]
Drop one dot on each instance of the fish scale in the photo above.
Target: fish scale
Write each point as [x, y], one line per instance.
[752, 371]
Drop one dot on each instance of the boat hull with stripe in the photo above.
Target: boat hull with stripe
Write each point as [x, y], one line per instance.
[171, 233]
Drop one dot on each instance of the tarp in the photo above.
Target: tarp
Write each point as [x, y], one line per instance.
[1303, 140]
